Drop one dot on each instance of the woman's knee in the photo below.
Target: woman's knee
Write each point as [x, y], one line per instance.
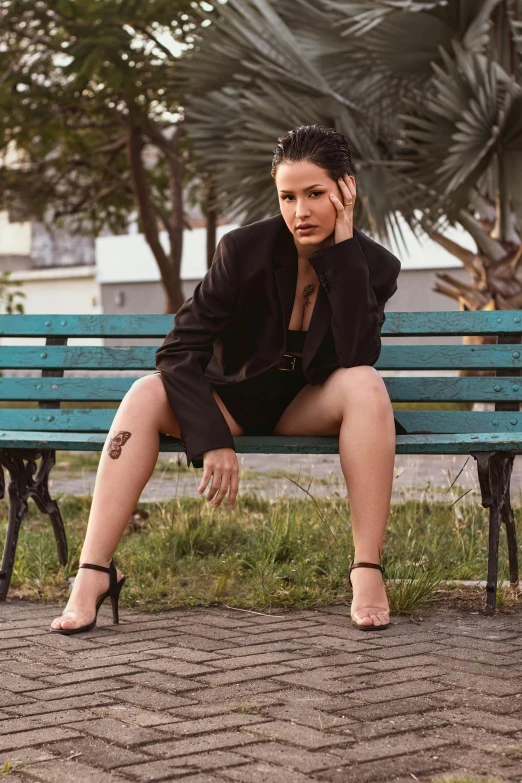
[148, 398]
[364, 384]
[149, 389]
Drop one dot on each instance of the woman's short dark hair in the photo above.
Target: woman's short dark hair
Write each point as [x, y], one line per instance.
[323, 146]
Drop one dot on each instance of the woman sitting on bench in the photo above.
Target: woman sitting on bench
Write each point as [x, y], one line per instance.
[280, 337]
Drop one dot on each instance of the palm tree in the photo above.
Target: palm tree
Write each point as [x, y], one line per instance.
[428, 92]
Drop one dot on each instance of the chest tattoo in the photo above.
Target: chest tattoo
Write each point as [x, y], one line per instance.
[307, 293]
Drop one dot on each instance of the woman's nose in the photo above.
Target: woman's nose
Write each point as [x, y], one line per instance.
[302, 210]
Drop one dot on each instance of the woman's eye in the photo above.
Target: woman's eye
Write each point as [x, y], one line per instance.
[313, 193]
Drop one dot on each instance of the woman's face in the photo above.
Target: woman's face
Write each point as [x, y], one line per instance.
[304, 198]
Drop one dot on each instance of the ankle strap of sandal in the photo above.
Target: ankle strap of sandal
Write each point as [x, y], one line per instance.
[111, 570]
[96, 567]
[368, 565]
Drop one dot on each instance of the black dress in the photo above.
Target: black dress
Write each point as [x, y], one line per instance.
[258, 403]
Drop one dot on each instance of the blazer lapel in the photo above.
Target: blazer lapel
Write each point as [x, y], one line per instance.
[319, 323]
[285, 272]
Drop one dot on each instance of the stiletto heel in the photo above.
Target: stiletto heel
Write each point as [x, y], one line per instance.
[113, 593]
[371, 627]
[114, 602]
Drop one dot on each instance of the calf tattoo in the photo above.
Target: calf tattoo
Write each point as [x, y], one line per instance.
[116, 442]
[307, 293]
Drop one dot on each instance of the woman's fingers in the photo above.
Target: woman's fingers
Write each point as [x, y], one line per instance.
[221, 469]
[234, 486]
[225, 482]
[337, 204]
[221, 481]
[347, 189]
[216, 483]
[207, 475]
[351, 187]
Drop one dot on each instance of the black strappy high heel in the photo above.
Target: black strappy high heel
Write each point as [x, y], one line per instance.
[113, 593]
[371, 627]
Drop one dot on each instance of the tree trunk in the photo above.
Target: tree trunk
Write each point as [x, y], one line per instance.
[169, 268]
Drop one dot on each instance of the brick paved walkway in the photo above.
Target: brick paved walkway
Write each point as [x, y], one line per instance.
[206, 695]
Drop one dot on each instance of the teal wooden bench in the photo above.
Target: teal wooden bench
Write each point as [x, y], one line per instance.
[30, 436]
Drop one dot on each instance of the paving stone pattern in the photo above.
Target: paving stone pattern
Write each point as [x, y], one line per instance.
[206, 695]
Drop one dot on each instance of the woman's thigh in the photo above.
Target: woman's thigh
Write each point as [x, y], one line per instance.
[318, 410]
[149, 394]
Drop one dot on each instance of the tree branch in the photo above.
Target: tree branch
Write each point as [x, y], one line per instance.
[485, 243]
[146, 209]
[464, 255]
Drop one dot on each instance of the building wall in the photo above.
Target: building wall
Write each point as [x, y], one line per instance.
[138, 297]
[60, 247]
[15, 238]
[33, 245]
[61, 290]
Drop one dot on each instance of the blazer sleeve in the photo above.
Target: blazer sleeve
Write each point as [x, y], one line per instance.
[357, 305]
[187, 350]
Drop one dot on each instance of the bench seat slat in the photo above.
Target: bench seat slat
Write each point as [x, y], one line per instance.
[272, 444]
[100, 420]
[402, 357]
[412, 389]
[434, 323]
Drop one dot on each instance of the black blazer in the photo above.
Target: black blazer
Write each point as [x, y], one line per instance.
[234, 325]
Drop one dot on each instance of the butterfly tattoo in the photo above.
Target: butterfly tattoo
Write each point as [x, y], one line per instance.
[116, 442]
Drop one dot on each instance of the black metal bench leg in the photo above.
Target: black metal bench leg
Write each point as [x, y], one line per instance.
[17, 510]
[494, 471]
[38, 489]
[509, 521]
[27, 481]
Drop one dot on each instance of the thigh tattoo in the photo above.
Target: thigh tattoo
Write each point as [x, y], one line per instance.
[115, 443]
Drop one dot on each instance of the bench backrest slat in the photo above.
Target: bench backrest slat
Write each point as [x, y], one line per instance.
[405, 357]
[435, 323]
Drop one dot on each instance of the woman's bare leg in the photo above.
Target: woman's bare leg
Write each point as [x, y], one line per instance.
[127, 462]
[354, 403]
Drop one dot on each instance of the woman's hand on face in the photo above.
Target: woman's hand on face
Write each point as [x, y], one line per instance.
[222, 467]
[344, 221]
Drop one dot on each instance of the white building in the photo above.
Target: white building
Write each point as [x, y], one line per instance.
[128, 274]
[118, 274]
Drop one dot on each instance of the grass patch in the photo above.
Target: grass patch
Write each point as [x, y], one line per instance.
[288, 552]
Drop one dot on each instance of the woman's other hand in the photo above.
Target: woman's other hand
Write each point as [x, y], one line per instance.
[222, 467]
[344, 221]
